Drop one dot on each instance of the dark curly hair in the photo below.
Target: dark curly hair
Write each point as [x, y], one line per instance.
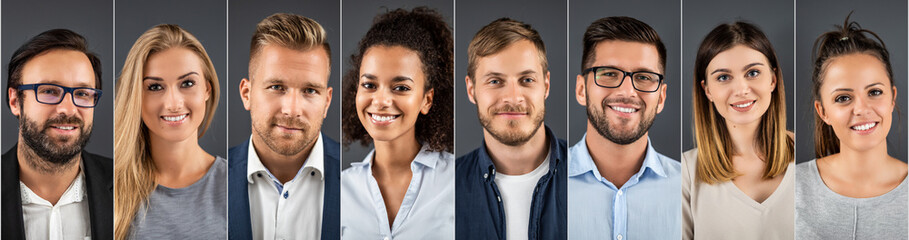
[424, 31]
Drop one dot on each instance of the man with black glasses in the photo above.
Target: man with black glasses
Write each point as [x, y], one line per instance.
[618, 185]
[51, 188]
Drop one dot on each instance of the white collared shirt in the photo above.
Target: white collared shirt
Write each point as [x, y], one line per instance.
[68, 219]
[290, 210]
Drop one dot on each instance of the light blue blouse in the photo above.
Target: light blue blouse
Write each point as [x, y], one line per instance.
[427, 211]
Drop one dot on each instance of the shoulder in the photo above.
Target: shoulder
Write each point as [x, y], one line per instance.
[690, 159]
[98, 162]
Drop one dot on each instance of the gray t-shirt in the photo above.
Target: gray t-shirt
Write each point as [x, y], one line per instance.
[198, 211]
[821, 213]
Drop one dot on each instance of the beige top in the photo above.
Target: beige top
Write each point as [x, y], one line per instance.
[722, 211]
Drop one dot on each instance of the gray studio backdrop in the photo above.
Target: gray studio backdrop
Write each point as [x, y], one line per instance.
[548, 18]
[773, 17]
[23, 20]
[205, 19]
[244, 15]
[815, 17]
[358, 16]
[663, 16]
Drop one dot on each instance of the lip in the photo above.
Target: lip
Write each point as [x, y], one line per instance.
[511, 115]
[624, 110]
[174, 120]
[864, 128]
[64, 128]
[743, 106]
[288, 129]
[382, 119]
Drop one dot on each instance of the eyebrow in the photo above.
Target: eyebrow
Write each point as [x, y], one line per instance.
[57, 82]
[743, 68]
[639, 69]
[161, 79]
[395, 79]
[850, 89]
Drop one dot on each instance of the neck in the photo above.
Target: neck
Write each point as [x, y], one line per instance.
[615, 162]
[520, 159]
[395, 155]
[283, 167]
[178, 159]
[46, 179]
[859, 164]
[744, 138]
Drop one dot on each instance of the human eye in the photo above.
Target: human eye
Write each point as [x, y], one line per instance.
[842, 98]
[401, 88]
[154, 87]
[875, 92]
[723, 78]
[187, 83]
[753, 73]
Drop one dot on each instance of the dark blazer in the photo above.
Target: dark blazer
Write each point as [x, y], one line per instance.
[238, 194]
[99, 184]
[481, 214]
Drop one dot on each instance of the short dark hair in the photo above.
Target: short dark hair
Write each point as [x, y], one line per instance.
[622, 29]
[424, 31]
[497, 36]
[46, 41]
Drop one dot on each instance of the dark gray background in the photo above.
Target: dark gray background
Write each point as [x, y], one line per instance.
[773, 17]
[244, 15]
[92, 19]
[358, 16]
[205, 19]
[663, 16]
[548, 18]
[813, 18]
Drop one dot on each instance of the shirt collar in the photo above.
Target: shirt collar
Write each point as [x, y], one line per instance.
[425, 157]
[584, 163]
[315, 160]
[555, 152]
[73, 194]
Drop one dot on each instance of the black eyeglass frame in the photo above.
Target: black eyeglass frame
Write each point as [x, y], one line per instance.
[624, 74]
[34, 88]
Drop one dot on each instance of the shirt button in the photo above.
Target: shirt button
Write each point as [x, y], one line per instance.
[387, 238]
[486, 175]
[619, 237]
[620, 194]
[285, 195]
[312, 173]
[259, 174]
[500, 198]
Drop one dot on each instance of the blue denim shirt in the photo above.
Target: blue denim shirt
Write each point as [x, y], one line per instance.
[648, 206]
[426, 212]
[480, 212]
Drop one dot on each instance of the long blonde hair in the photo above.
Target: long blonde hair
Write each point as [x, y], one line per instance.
[715, 151]
[134, 172]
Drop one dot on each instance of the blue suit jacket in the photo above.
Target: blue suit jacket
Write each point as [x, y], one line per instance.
[238, 193]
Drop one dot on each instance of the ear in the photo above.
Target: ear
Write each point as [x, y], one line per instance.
[207, 90]
[580, 90]
[894, 95]
[819, 108]
[245, 86]
[327, 103]
[773, 83]
[546, 83]
[706, 90]
[662, 101]
[470, 89]
[427, 101]
[13, 101]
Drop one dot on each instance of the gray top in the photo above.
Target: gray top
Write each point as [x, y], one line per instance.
[198, 211]
[821, 213]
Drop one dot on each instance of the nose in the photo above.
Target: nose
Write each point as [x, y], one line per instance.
[626, 88]
[513, 93]
[861, 106]
[66, 106]
[381, 99]
[742, 87]
[173, 101]
[291, 105]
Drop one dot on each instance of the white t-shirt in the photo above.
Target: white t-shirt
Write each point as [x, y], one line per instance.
[517, 195]
[68, 219]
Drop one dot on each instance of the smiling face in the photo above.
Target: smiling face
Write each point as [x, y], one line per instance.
[623, 115]
[857, 100]
[174, 92]
[510, 90]
[288, 97]
[390, 93]
[740, 83]
[56, 133]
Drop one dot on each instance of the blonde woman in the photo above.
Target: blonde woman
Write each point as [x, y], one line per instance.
[167, 186]
[854, 188]
[738, 183]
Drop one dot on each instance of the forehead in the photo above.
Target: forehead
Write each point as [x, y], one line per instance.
[291, 65]
[627, 55]
[172, 63]
[735, 58]
[857, 68]
[389, 62]
[59, 66]
[515, 58]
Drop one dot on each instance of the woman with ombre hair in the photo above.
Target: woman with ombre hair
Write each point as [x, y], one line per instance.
[853, 188]
[166, 185]
[738, 183]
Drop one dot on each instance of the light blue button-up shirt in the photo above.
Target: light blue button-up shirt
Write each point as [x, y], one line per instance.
[648, 206]
[427, 211]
